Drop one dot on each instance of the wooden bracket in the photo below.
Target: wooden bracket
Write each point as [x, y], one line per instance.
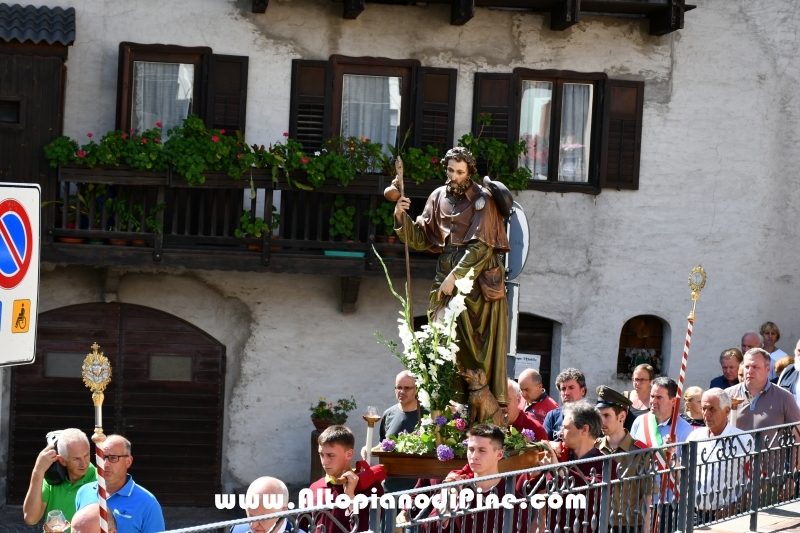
[353, 8]
[668, 19]
[350, 286]
[260, 6]
[461, 11]
[565, 14]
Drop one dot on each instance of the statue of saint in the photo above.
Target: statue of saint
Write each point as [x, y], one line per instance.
[461, 220]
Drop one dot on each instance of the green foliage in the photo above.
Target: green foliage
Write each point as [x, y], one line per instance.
[383, 218]
[257, 226]
[154, 225]
[193, 150]
[129, 219]
[61, 151]
[423, 165]
[500, 157]
[330, 412]
[342, 220]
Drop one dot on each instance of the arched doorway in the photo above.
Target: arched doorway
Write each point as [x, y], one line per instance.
[166, 396]
[641, 341]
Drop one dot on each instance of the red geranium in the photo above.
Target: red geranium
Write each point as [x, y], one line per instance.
[434, 160]
[89, 135]
[158, 124]
[124, 135]
[144, 141]
[222, 132]
[304, 160]
[81, 153]
[214, 138]
[285, 133]
[157, 140]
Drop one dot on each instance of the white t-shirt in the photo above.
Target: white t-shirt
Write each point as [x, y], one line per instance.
[720, 466]
[775, 356]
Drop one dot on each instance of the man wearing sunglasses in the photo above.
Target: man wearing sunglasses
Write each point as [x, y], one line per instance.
[135, 509]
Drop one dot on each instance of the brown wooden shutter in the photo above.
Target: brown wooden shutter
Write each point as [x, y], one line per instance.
[622, 134]
[435, 107]
[309, 109]
[227, 93]
[494, 94]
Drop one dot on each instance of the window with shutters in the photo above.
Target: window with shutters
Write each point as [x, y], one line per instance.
[582, 131]
[376, 98]
[165, 83]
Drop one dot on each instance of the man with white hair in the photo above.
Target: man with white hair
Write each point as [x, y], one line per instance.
[721, 462]
[87, 520]
[519, 419]
[753, 339]
[73, 453]
[273, 497]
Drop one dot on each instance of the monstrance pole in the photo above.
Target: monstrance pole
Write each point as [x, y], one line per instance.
[96, 376]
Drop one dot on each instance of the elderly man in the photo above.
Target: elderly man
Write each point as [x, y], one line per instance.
[520, 420]
[462, 221]
[729, 360]
[87, 520]
[268, 490]
[571, 384]
[721, 463]
[403, 416]
[535, 400]
[788, 378]
[42, 497]
[136, 510]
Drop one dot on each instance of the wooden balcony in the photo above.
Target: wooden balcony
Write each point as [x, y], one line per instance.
[199, 224]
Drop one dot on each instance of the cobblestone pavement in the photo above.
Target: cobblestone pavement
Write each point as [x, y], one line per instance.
[175, 517]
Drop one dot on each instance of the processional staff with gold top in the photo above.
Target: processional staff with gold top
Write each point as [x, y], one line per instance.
[96, 376]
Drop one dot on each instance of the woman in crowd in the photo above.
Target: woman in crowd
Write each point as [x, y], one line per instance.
[693, 412]
[640, 395]
[771, 334]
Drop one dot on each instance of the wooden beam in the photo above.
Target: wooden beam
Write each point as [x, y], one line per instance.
[353, 8]
[350, 286]
[260, 6]
[565, 14]
[668, 19]
[461, 11]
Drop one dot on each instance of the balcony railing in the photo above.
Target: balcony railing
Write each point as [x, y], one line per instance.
[118, 216]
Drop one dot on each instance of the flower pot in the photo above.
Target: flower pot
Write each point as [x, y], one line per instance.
[118, 242]
[320, 425]
[70, 240]
[427, 465]
[138, 242]
[392, 239]
[255, 247]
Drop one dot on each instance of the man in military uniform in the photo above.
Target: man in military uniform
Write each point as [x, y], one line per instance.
[629, 498]
[463, 221]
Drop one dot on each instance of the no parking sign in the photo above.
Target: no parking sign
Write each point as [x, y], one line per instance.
[19, 271]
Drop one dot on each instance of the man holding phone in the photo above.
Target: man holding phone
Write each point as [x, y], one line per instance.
[72, 452]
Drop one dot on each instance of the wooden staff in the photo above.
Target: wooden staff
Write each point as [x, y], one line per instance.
[398, 165]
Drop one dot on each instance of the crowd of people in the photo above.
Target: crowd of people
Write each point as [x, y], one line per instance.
[759, 376]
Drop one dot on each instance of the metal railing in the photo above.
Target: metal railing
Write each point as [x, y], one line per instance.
[705, 482]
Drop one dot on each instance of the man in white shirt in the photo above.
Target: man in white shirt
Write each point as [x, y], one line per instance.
[721, 463]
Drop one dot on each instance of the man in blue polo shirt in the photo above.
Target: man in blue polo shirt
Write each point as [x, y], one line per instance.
[135, 509]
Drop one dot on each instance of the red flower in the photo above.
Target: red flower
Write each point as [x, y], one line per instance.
[158, 124]
[434, 160]
[238, 156]
[89, 135]
[81, 153]
[304, 160]
[222, 132]
[436, 168]
[157, 140]
[130, 130]
[285, 133]
[214, 138]
[144, 141]
[124, 135]
[483, 114]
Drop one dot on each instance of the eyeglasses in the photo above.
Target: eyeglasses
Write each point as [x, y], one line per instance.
[404, 388]
[115, 458]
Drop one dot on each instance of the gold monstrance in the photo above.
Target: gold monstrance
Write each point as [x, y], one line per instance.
[96, 376]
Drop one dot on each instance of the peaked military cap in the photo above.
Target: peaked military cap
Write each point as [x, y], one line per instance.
[608, 397]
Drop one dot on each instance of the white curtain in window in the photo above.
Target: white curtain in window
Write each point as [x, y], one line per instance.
[576, 129]
[534, 126]
[162, 92]
[371, 108]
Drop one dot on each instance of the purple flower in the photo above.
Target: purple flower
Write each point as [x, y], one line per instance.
[440, 421]
[387, 445]
[456, 415]
[529, 435]
[445, 453]
[465, 442]
[461, 424]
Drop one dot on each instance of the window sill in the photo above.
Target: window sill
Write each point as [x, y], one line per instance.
[550, 186]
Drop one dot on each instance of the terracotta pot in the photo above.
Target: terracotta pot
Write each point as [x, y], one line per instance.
[392, 240]
[320, 425]
[274, 248]
[118, 242]
[138, 242]
[255, 247]
[70, 240]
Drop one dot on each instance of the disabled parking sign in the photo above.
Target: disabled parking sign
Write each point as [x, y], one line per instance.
[20, 214]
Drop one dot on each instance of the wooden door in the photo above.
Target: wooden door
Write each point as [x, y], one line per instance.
[166, 396]
[535, 336]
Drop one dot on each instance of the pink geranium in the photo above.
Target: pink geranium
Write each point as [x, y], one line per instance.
[144, 141]
[304, 160]
[89, 135]
[222, 132]
[214, 138]
[81, 153]
[285, 133]
[158, 124]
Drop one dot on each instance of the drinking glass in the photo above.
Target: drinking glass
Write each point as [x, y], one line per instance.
[56, 522]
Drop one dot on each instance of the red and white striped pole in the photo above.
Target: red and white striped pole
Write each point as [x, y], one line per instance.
[96, 376]
[697, 280]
